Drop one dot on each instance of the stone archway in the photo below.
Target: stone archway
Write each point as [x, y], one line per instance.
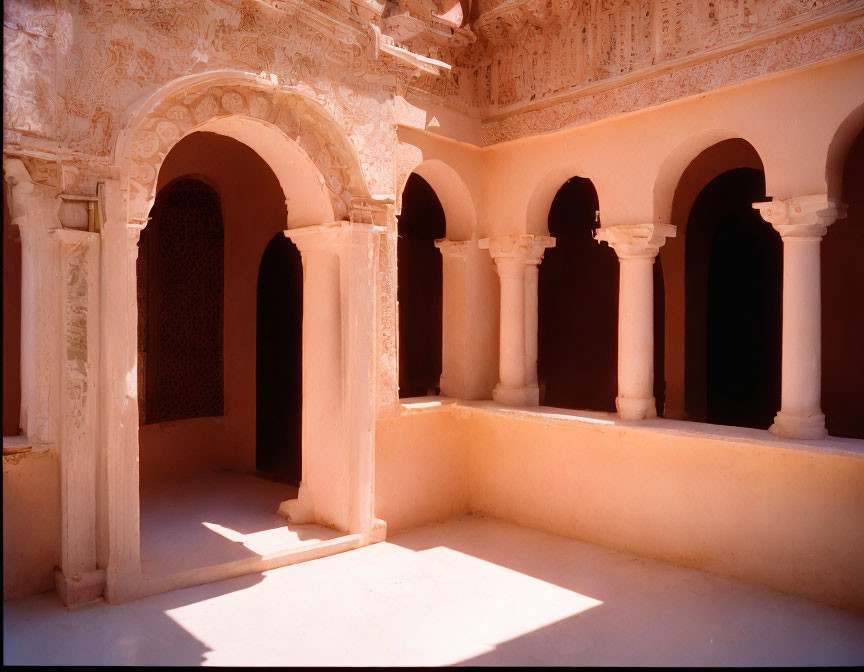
[331, 212]
[259, 116]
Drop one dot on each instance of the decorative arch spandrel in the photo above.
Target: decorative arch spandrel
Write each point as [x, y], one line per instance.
[300, 120]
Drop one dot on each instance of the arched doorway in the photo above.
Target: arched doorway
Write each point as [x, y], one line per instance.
[278, 361]
[842, 286]
[420, 297]
[181, 305]
[578, 307]
[733, 269]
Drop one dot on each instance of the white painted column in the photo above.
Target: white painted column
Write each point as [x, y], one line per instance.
[518, 315]
[637, 246]
[801, 222]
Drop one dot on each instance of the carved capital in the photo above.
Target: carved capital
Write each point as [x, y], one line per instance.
[331, 238]
[802, 216]
[636, 241]
[524, 247]
[453, 249]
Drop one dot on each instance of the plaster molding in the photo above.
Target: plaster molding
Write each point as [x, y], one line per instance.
[635, 241]
[802, 216]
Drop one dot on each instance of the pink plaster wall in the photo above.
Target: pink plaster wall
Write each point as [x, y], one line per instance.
[253, 208]
[738, 503]
[31, 524]
[421, 470]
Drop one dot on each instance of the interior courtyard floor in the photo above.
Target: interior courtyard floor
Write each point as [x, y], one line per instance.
[470, 591]
[216, 518]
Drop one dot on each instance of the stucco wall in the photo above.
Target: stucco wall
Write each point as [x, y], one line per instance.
[31, 523]
[737, 502]
[421, 470]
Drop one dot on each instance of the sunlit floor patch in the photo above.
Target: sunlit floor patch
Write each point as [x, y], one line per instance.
[471, 591]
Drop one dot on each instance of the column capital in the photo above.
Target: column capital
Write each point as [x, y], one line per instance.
[802, 216]
[525, 247]
[329, 237]
[636, 241]
[452, 249]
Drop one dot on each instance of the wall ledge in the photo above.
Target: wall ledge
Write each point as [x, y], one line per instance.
[602, 421]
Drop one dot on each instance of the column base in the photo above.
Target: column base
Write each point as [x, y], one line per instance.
[298, 510]
[80, 588]
[788, 426]
[518, 396]
[636, 408]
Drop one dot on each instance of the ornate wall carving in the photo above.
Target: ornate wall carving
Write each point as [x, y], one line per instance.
[300, 120]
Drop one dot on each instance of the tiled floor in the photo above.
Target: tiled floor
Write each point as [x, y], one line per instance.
[471, 591]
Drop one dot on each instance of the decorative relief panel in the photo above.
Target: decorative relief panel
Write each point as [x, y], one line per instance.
[300, 120]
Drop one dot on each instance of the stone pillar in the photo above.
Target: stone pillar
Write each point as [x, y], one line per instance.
[33, 211]
[637, 246]
[340, 263]
[78, 579]
[513, 255]
[801, 222]
[469, 369]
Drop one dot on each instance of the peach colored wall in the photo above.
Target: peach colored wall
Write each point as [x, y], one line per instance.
[421, 470]
[31, 524]
[739, 502]
[253, 208]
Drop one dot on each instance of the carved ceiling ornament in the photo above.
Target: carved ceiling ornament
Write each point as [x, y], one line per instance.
[300, 119]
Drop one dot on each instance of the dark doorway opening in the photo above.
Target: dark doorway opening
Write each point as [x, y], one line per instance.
[181, 304]
[577, 356]
[279, 359]
[733, 262]
[842, 316]
[420, 289]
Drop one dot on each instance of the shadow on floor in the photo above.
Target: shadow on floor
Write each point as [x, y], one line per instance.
[161, 642]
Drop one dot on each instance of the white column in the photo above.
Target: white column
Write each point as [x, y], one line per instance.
[637, 246]
[513, 255]
[801, 222]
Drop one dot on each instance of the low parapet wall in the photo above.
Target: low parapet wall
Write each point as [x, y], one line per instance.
[737, 502]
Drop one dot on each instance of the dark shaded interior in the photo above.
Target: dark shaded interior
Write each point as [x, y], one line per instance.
[11, 322]
[659, 337]
[843, 306]
[733, 304]
[420, 289]
[279, 359]
[182, 250]
[577, 359]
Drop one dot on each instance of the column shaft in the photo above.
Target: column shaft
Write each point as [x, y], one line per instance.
[802, 222]
[636, 246]
[636, 339]
[802, 327]
[511, 366]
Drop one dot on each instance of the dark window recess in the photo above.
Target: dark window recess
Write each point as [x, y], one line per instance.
[181, 305]
[419, 289]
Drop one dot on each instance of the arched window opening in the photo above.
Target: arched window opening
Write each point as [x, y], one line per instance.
[578, 307]
[11, 324]
[180, 305]
[278, 365]
[733, 266]
[842, 328]
[420, 290]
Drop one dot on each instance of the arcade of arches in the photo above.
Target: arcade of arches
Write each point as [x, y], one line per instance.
[250, 323]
